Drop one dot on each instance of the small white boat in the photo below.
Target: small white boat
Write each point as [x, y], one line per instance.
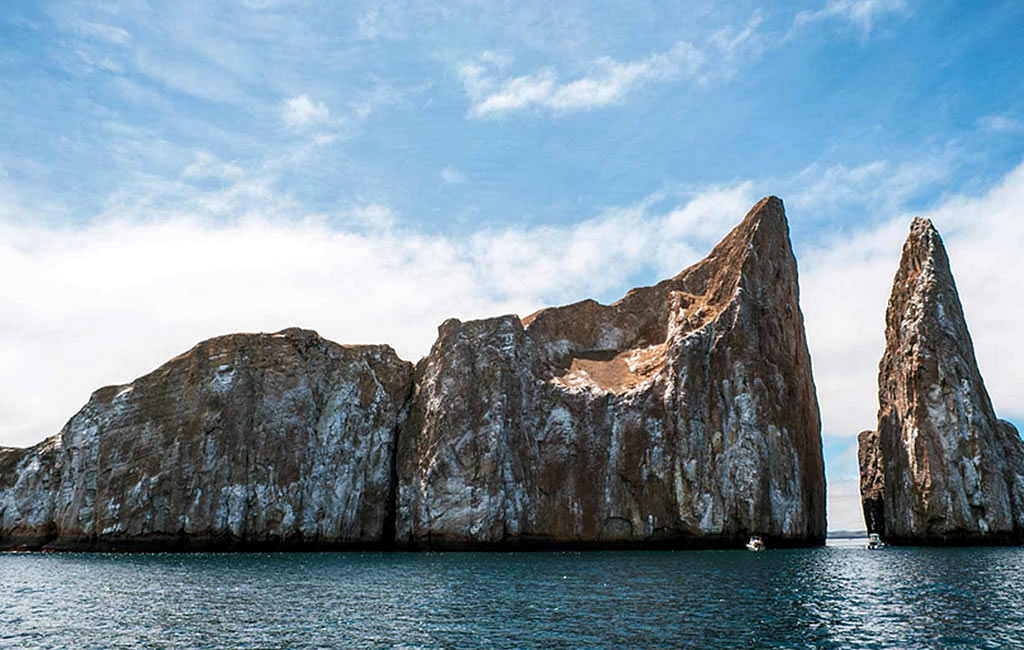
[874, 542]
[755, 544]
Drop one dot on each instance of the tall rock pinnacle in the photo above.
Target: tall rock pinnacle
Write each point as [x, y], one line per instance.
[941, 469]
[684, 414]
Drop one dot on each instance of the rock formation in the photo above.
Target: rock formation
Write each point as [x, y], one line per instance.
[684, 414]
[245, 440]
[941, 469]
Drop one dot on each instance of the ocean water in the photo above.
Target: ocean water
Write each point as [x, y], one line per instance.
[840, 596]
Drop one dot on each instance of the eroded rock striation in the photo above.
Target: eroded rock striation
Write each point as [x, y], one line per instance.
[684, 414]
[941, 468]
[251, 439]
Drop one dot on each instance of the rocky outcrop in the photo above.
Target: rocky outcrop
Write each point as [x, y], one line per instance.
[872, 481]
[682, 415]
[943, 467]
[28, 489]
[246, 440]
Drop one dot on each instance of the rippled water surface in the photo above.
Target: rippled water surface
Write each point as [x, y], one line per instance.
[838, 596]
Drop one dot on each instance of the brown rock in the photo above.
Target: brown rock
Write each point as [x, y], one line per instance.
[249, 439]
[872, 481]
[950, 471]
[684, 414]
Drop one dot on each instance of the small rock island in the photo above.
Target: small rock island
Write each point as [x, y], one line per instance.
[682, 416]
[941, 468]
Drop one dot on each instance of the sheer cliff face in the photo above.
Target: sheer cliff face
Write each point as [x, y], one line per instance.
[245, 439]
[683, 414]
[28, 486]
[944, 467]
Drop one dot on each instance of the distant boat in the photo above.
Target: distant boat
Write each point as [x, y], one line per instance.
[755, 544]
[874, 542]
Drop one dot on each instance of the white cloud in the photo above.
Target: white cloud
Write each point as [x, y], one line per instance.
[608, 82]
[881, 187]
[302, 111]
[106, 302]
[844, 507]
[375, 216]
[845, 286]
[1001, 124]
[452, 176]
[207, 165]
[738, 43]
[862, 13]
[100, 31]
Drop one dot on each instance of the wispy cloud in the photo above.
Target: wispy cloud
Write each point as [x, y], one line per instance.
[862, 13]
[1001, 124]
[375, 216]
[879, 187]
[302, 111]
[452, 176]
[207, 165]
[608, 83]
[108, 33]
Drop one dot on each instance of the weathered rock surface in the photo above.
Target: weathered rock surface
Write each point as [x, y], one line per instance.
[872, 481]
[28, 489]
[249, 439]
[684, 414]
[941, 469]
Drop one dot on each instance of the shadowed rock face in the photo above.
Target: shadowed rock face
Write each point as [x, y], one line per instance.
[683, 414]
[872, 481]
[943, 467]
[244, 440]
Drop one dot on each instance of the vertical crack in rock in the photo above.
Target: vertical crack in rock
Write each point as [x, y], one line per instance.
[246, 440]
[684, 414]
[388, 532]
[941, 469]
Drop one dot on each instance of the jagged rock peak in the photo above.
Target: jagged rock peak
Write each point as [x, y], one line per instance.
[683, 414]
[949, 470]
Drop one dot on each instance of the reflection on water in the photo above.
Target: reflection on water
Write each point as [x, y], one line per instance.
[841, 596]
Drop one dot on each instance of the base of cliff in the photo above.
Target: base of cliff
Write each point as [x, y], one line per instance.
[222, 544]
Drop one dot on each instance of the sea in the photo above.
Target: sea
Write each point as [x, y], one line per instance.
[838, 596]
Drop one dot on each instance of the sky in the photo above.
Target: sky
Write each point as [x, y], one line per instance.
[171, 172]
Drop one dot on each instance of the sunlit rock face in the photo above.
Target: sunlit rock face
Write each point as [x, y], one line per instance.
[684, 414]
[28, 488]
[245, 440]
[944, 468]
